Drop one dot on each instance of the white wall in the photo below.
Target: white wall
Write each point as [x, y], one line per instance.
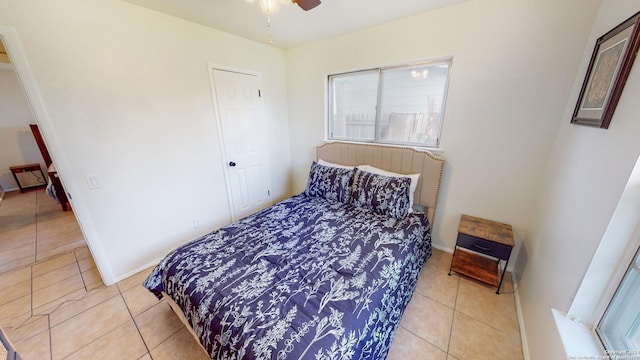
[514, 63]
[127, 96]
[587, 172]
[17, 145]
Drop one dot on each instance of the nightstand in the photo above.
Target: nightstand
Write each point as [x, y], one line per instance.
[492, 239]
[28, 176]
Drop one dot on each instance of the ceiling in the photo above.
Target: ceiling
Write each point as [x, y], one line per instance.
[291, 26]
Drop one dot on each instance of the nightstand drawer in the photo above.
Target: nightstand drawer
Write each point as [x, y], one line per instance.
[484, 246]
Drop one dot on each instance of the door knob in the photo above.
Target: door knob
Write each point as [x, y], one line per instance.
[232, 164]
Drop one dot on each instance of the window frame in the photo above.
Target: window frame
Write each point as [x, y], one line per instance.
[609, 264]
[633, 267]
[448, 60]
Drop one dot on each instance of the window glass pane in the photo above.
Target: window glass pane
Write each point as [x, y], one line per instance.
[352, 105]
[620, 325]
[412, 103]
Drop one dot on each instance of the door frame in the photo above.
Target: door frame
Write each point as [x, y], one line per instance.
[216, 110]
[41, 116]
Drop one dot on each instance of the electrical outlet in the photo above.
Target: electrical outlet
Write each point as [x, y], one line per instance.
[196, 223]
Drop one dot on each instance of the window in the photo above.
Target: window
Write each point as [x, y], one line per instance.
[397, 105]
[619, 328]
[607, 300]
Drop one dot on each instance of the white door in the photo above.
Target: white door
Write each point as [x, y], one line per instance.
[239, 110]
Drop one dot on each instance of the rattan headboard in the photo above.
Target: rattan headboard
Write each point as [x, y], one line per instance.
[397, 159]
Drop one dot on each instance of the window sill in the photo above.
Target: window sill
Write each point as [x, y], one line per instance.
[578, 340]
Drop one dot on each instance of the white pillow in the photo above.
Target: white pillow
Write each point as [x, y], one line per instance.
[414, 179]
[326, 163]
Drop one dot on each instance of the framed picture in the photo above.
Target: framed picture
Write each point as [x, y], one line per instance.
[608, 71]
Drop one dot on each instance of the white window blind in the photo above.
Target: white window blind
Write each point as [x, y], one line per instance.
[399, 105]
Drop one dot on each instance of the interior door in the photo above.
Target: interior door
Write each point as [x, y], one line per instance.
[239, 110]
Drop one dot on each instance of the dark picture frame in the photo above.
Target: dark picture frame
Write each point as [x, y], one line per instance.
[608, 70]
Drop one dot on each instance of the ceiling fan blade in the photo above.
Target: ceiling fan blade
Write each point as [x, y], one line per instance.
[307, 5]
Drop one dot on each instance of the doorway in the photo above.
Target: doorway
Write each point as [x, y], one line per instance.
[33, 226]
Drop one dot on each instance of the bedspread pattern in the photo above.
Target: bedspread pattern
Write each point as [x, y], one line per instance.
[306, 278]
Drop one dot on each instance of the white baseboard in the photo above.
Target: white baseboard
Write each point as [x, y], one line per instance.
[136, 270]
[442, 248]
[523, 336]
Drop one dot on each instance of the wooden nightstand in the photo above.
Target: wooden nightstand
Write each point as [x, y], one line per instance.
[486, 237]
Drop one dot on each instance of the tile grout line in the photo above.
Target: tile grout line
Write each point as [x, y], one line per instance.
[453, 318]
[134, 320]
[487, 324]
[31, 315]
[418, 335]
[31, 291]
[80, 272]
[169, 337]
[35, 249]
[91, 342]
[442, 304]
[70, 301]
[50, 339]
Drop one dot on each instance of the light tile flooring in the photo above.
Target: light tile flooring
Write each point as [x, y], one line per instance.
[456, 318]
[33, 227]
[59, 309]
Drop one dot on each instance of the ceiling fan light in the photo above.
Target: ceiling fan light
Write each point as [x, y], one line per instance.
[269, 6]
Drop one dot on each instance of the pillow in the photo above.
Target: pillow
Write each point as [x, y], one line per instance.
[329, 182]
[385, 195]
[414, 179]
[326, 163]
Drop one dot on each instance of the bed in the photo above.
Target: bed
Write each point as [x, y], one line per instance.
[325, 274]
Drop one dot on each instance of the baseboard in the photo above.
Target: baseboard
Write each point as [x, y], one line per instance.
[136, 270]
[523, 336]
[442, 248]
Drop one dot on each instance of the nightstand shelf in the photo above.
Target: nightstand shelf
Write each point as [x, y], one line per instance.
[476, 266]
[489, 242]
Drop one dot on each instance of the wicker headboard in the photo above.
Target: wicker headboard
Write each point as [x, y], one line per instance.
[397, 159]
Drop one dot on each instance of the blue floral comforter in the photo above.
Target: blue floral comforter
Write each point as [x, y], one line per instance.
[307, 278]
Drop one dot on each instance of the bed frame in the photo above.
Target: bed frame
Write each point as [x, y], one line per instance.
[401, 160]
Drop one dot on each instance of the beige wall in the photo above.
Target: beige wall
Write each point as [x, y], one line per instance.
[127, 96]
[514, 63]
[587, 171]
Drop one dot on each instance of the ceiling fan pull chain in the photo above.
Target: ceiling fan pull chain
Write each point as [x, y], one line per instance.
[269, 21]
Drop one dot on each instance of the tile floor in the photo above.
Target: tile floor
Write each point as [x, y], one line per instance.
[33, 227]
[59, 309]
[457, 318]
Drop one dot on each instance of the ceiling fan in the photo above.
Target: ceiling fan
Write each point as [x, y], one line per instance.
[307, 5]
